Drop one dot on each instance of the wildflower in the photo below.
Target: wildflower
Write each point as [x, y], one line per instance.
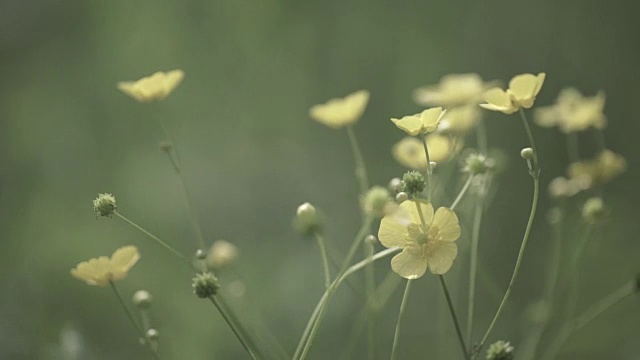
[459, 120]
[221, 254]
[562, 187]
[476, 164]
[409, 152]
[377, 202]
[142, 299]
[602, 169]
[452, 90]
[420, 124]
[308, 220]
[573, 112]
[522, 92]
[500, 350]
[103, 270]
[205, 285]
[341, 112]
[426, 239]
[105, 205]
[154, 87]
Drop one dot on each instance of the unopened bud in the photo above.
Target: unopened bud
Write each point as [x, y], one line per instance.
[152, 334]
[308, 221]
[142, 299]
[105, 205]
[527, 153]
[594, 211]
[395, 185]
[402, 197]
[205, 285]
[200, 254]
[371, 240]
[413, 183]
[165, 145]
[375, 202]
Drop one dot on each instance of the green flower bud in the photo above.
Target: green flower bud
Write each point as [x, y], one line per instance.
[402, 197]
[500, 350]
[308, 220]
[205, 285]
[142, 299]
[370, 240]
[413, 183]
[201, 254]
[105, 205]
[375, 202]
[152, 334]
[395, 185]
[527, 153]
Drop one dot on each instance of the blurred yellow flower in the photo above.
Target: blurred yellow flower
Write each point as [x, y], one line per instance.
[522, 92]
[221, 254]
[426, 242]
[425, 122]
[103, 270]
[602, 169]
[452, 90]
[409, 151]
[154, 87]
[340, 112]
[460, 119]
[573, 112]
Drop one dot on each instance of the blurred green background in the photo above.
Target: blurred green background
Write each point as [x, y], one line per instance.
[251, 155]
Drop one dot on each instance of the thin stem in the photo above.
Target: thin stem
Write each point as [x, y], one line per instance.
[573, 150]
[429, 169]
[516, 269]
[370, 288]
[237, 333]
[325, 259]
[153, 237]
[361, 169]
[453, 315]
[473, 267]
[532, 143]
[238, 325]
[463, 191]
[403, 304]
[177, 166]
[135, 324]
[587, 316]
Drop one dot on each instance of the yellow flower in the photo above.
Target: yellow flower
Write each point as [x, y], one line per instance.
[424, 244]
[340, 112]
[522, 92]
[409, 151]
[452, 90]
[573, 112]
[425, 122]
[460, 119]
[602, 169]
[103, 270]
[151, 88]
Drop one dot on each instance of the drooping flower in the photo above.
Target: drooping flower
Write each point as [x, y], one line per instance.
[154, 87]
[452, 90]
[100, 271]
[409, 151]
[602, 169]
[521, 93]
[426, 239]
[573, 112]
[423, 123]
[340, 112]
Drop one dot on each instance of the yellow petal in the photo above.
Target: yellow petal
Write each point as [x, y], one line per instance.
[461, 119]
[426, 208]
[409, 265]
[411, 124]
[540, 81]
[393, 228]
[340, 112]
[441, 255]
[154, 87]
[447, 222]
[498, 100]
[409, 152]
[94, 272]
[122, 260]
[430, 119]
[524, 86]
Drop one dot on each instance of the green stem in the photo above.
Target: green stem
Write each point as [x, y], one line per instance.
[429, 169]
[463, 191]
[453, 315]
[361, 169]
[135, 324]
[573, 150]
[574, 277]
[325, 259]
[516, 269]
[536, 167]
[153, 237]
[403, 305]
[473, 267]
[237, 333]
[370, 288]
[587, 316]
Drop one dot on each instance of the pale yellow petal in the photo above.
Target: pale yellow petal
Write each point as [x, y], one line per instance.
[440, 256]
[129, 88]
[539, 82]
[172, 79]
[410, 207]
[123, 259]
[393, 230]
[411, 124]
[440, 147]
[547, 116]
[447, 222]
[94, 272]
[409, 152]
[430, 119]
[339, 112]
[498, 100]
[524, 86]
[409, 264]
[154, 87]
[461, 119]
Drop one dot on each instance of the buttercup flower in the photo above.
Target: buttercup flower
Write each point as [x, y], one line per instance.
[103, 270]
[423, 245]
[409, 152]
[522, 92]
[573, 112]
[452, 90]
[460, 119]
[425, 122]
[602, 169]
[154, 87]
[341, 112]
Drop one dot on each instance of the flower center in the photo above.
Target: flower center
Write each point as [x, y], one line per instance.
[416, 234]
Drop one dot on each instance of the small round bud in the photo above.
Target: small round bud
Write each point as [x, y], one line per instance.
[105, 205]
[152, 334]
[395, 185]
[370, 240]
[142, 299]
[375, 202]
[222, 254]
[402, 197]
[500, 350]
[200, 254]
[165, 145]
[308, 220]
[594, 211]
[527, 153]
[413, 182]
[205, 285]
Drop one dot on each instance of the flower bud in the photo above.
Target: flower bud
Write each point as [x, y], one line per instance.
[375, 202]
[370, 240]
[594, 211]
[142, 299]
[165, 145]
[308, 221]
[527, 153]
[500, 350]
[395, 185]
[104, 205]
[413, 183]
[402, 197]
[152, 334]
[221, 254]
[205, 285]
[200, 254]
